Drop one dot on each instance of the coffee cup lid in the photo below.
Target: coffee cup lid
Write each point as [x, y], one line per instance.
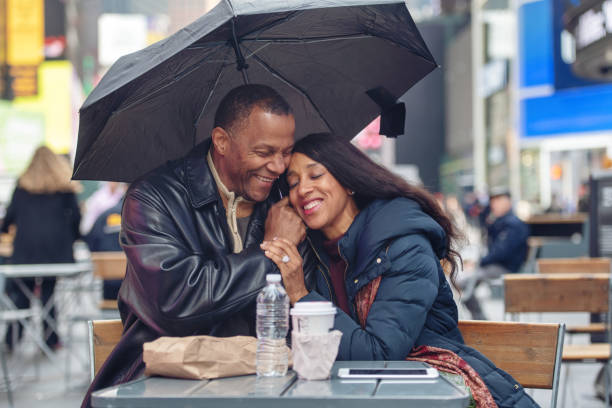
[313, 308]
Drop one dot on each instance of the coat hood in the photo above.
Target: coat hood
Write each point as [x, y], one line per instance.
[385, 220]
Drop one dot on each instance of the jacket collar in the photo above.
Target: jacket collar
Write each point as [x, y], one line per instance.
[199, 180]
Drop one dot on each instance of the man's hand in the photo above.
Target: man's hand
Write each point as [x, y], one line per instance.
[284, 222]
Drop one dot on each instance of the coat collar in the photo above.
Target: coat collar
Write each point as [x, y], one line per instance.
[200, 183]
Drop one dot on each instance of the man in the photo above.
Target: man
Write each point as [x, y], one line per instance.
[191, 231]
[507, 249]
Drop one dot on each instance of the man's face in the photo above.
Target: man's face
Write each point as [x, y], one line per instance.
[500, 205]
[258, 153]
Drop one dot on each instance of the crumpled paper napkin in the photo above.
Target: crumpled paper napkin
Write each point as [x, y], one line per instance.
[314, 354]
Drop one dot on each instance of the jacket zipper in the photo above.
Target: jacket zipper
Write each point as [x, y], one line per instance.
[331, 293]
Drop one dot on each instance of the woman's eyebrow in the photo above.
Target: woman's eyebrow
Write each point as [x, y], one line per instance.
[309, 165]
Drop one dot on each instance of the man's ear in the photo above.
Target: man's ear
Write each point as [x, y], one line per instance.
[220, 139]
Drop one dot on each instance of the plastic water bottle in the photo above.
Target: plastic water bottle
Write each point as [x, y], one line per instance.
[272, 327]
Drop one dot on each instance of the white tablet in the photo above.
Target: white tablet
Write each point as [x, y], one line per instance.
[383, 373]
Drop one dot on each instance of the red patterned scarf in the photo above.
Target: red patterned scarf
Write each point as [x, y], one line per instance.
[442, 359]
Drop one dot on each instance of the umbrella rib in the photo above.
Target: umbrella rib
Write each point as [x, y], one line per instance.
[177, 77]
[210, 95]
[272, 24]
[308, 40]
[294, 86]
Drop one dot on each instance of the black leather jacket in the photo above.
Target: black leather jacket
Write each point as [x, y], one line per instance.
[182, 278]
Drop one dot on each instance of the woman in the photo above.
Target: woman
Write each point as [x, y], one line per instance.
[380, 243]
[46, 215]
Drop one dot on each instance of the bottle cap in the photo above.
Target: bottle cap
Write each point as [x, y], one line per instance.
[273, 277]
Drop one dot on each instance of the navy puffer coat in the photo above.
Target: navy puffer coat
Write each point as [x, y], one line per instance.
[414, 304]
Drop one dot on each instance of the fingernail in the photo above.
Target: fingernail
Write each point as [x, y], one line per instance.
[264, 244]
[274, 239]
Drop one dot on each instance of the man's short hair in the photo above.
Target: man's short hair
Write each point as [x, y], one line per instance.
[236, 106]
[499, 191]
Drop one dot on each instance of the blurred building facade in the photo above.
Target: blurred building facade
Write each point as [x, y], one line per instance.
[534, 125]
[505, 109]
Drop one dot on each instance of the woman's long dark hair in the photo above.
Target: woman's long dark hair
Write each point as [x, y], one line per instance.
[357, 172]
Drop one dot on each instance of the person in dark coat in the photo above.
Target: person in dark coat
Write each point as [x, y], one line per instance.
[506, 249]
[46, 215]
[191, 231]
[104, 237]
[367, 225]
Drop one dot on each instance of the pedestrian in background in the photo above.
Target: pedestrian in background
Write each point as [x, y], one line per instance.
[104, 237]
[104, 198]
[46, 215]
[506, 249]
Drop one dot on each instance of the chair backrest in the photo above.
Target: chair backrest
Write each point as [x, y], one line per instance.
[109, 265]
[536, 293]
[529, 352]
[103, 337]
[573, 265]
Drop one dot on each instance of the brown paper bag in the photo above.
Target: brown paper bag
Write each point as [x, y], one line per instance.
[200, 357]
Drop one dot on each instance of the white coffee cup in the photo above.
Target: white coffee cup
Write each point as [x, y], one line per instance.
[313, 317]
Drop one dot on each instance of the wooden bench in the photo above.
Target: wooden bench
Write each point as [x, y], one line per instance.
[109, 266]
[529, 352]
[103, 337]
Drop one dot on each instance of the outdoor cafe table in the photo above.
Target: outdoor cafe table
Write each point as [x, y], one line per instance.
[56, 270]
[286, 392]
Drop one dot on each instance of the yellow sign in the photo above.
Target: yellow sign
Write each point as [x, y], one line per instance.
[2, 33]
[25, 32]
[54, 103]
[24, 80]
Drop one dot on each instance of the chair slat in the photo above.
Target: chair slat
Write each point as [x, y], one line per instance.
[581, 352]
[573, 265]
[556, 293]
[109, 265]
[106, 335]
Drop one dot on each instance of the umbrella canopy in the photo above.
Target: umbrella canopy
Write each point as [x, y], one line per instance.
[328, 58]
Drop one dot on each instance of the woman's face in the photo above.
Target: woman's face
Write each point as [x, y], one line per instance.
[318, 197]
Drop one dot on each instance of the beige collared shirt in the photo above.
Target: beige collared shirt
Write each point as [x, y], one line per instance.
[232, 201]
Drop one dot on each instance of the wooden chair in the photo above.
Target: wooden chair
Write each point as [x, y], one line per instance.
[106, 265]
[103, 337]
[529, 352]
[109, 266]
[573, 265]
[577, 265]
[562, 292]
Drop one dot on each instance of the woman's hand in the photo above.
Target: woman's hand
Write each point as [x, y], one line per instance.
[286, 256]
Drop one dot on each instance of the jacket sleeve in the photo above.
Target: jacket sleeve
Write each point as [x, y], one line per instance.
[506, 244]
[9, 217]
[408, 288]
[173, 288]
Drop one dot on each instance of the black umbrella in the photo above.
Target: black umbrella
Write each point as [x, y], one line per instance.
[338, 64]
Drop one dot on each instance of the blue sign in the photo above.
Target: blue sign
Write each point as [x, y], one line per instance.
[576, 105]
